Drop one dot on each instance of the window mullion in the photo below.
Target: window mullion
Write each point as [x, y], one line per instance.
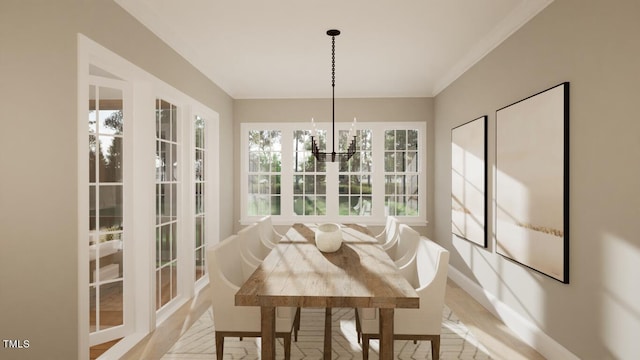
[186, 244]
[286, 178]
[332, 191]
[377, 145]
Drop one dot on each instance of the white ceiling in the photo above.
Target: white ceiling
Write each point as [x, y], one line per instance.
[279, 48]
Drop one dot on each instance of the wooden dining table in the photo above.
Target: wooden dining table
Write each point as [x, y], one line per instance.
[359, 274]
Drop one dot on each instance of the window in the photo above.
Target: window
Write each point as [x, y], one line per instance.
[309, 176]
[265, 162]
[385, 176]
[167, 202]
[355, 179]
[401, 172]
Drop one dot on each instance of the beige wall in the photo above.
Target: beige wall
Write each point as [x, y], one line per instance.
[594, 45]
[366, 110]
[38, 157]
[591, 43]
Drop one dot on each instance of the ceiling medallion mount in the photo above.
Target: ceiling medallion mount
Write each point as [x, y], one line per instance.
[333, 32]
[351, 149]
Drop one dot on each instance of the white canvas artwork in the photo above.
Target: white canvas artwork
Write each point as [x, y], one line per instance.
[532, 182]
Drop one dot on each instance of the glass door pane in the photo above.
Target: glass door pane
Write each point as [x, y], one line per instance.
[167, 202]
[106, 208]
[200, 181]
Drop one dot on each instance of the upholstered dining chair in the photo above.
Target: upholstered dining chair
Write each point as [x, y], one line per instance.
[225, 279]
[427, 272]
[253, 249]
[268, 234]
[399, 241]
[388, 237]
[404, 249]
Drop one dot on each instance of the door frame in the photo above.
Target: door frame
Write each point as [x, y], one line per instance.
[144, 89]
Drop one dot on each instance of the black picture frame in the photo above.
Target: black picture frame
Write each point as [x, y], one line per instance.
[469, 181]
[532, 182]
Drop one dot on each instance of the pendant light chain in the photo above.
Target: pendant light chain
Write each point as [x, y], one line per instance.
[333, 61]
[351, 148]
[333, 95]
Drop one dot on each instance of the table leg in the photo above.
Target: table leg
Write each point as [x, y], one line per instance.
[268, 327]
[386, 333]
[327, 334]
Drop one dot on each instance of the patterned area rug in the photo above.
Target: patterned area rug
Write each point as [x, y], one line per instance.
[199, 341]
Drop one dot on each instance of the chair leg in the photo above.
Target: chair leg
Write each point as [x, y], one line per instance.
[435, 347]
[287, 346]
[365, 347]
[296, 325]
[219, 345]
[358, 326]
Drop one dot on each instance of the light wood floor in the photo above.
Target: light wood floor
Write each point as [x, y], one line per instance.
[156, 344]
[111, 307]
[490, 331]
[97, 350]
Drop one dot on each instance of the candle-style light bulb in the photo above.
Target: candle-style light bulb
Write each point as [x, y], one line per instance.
[313, 128]
[354, 126]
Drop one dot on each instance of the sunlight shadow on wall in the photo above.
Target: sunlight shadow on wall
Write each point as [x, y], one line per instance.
[468, 194]
[620, 305]
[539, 247]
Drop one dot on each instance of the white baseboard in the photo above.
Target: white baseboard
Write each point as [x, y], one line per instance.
[523, 328]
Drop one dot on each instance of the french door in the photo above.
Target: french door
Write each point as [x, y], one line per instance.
[148, 199]
[168, 203]
[109, 241]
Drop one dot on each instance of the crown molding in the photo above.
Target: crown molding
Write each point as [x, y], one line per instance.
[516, 19]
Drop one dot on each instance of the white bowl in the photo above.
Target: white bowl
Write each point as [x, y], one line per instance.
[328, 237]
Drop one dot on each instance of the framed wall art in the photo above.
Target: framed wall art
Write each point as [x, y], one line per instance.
[469, 181]
[532, 182]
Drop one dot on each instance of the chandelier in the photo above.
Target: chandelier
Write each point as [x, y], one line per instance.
[351, 149]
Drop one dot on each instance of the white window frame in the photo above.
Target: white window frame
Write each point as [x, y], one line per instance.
[349, 173]
[187, 109]
[126, 328]
[212, 183]
[377, 216]
[304, 174]
[404, 173]
[268, 174]
[182, 199]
